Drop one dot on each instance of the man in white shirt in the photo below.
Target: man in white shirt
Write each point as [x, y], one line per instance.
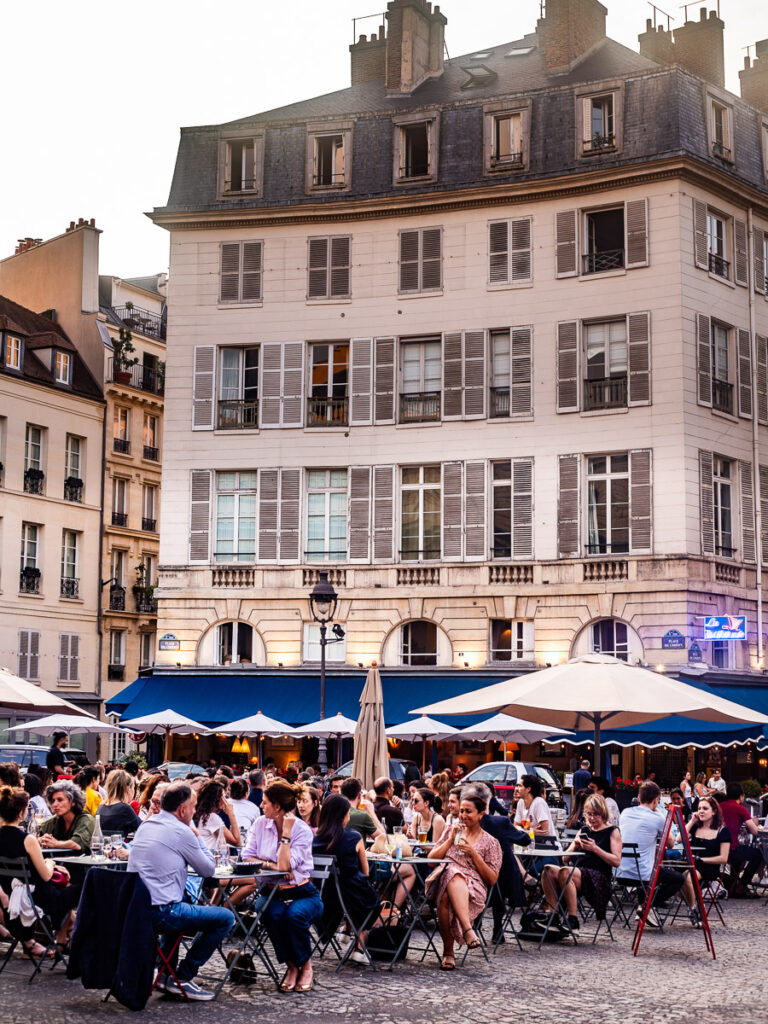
[533, 807]
[716, 782]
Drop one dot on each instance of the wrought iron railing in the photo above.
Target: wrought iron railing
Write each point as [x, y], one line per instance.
[239, 415]
[69, 586]
[149, 524]
[420, 407]
[722, 396]
[146, 321]
[605, 393]
[151, 453]
[499, 402]
[119, 518]
[719, 149]
[327, 412]
[73, 489]
[33, 481]
[116, 598]
[608, 259]
[598, 143]
[29, 580]
[121, 445]
[719, 266]
[143, 378]
[115, 673]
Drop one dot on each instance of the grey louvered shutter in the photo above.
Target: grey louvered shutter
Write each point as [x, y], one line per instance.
[703, 360]
[565, 244]
[292, 401]
[409, 261]
[251, 290]
[361, 400]
[700, 241]
[340, 268]
[200, 486]
[639, 358]
[636, 230]
[707, 500]
[568, 366]
[744, 366]
[22, 661]
[568, 506]
[383, 513]
[498, 252]
[747, 494]
[474, 512]
[764, 512]
[452, 510]
[290, 505]
[203, 387]
[640, 500]
[740, 257]
[34, 654]
[761, 345]
[475, 383]
[74, 657]
[317, 285]
[268, 514]
[63, 657]
[759, 268]
[453, 377]
[359, 513]
[520, 257]
[229, 276]
[522, 508]
[431, 259]
[271, 382]
[521, 371]
[384, 380]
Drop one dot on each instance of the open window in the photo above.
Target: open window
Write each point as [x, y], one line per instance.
[415, 148]
[241, 164]
[329, 156]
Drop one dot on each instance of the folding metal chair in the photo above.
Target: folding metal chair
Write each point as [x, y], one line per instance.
[628, 890]
[326, 873]
[18, 868]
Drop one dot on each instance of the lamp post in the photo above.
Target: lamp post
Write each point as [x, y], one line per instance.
[322, 603]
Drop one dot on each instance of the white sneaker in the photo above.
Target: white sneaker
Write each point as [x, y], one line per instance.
[161, 981]
[191, 989]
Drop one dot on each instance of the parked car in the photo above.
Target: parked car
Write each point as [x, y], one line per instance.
[505, 774]
[399, 770]
[179, 769]
[25, 754]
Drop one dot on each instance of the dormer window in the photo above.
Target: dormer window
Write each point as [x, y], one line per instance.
[415, 148]
[12, 352]
[240, 164]
[329, 156]
[329, 161]
[62, 367]
[721, 131]
[599, 128]
[505, 137]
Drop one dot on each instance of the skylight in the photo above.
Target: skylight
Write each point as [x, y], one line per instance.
[521, 52]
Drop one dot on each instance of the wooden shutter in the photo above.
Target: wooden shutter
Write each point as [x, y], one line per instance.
[271, 383]
[522, 508]
[759, 265]
[340, 272]
[22, 661]
[640, 503]
[361, 359]
[474, 511]
[431, 259]
[498, 252]
[292, 391]
[740, 258]
[34, 654]
[744, 368]
[203, 387]
[521, 371]
[700, 242]
[383, 513]
[565, 244]
[761, 345]
[520, 255]
[568, 506]
[764, 512]
[747, 495]
[359, 513]
[568, 366]
[639, 358]
[251, 285]
[229, 277]
[63, 657]
[384, 380]
[200, 487]
[636, 230]
[707, 500]
[452, 510]
[290, 504]
[409, 261]
[475, 383]
[317, 285]
[69, 657]
[453, 375]
[268, 514]
[703, 359]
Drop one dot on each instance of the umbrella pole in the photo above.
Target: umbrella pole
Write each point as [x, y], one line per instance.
[423, 756]
[167, 756]
[597, 742]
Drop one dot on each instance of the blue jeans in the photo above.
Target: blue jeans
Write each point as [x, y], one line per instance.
[212, 925]
[288, 924]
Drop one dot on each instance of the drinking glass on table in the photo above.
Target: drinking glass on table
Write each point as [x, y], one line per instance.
[397, 830]
[106, 847]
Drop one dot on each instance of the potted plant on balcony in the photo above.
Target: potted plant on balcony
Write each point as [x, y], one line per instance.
[123, 360]
[130, 319]
[73, 487]
[33, 480]
[30, 579]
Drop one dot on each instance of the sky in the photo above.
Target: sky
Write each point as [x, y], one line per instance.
[100, 89]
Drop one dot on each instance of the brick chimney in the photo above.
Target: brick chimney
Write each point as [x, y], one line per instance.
[415, 44]
[754, 78]
[569, 31]
[657, 44]
[699, 47]
[27, 243]
[369, 58]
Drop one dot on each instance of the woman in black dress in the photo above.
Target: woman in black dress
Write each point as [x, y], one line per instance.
[710, 838]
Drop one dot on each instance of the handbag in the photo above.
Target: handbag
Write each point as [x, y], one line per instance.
[59, 879]
[384, 940]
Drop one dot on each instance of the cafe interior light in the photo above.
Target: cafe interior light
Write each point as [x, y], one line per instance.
[237, 747]
[245, 746]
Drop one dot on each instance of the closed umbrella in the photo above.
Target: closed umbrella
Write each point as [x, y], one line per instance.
[592, 690]
[336, 727]
[423, 729]
[165, 722]
[507, 729]
[256, 725]
[66, 723]
[17, 693]
[370, 761]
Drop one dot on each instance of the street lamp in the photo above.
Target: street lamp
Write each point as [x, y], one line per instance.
[322, 604]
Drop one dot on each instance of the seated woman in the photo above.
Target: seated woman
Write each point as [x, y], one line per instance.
[116, 813]
[59, 903]
[308, 805]
[71, 826]
[460, 888]
[148, 791]
[576, 817]
[711, 839]
[360, 898]
[426, 821]
[37, 805]
[210, 827]
[601, 844]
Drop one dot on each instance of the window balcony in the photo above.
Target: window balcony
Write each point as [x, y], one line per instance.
[69, 586]
[420, 407]
[116, 598]
[724, 551]
[605, 393]
[119, 518]
[237, 415]
[33, 481]
[499, 402]
[73, 489]
[29, 580]
[140, 377]
[327, 412]
[502, 160]
[605, 548]
[153, 454]
[121, 445]
[722, 396]
[719, 266]
[150, 525]
[143, 320]
[337, 555]
[600, 143]
[115, 673]
[597, 262]
[146, 604]
[428, 554]
[721, 151]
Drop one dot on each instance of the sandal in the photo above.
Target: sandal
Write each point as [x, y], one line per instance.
[448, 963]
[475, 943]
[35, 950]
[283, 987]
[308, 987]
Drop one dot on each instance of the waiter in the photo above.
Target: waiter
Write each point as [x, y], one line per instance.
[55, 761]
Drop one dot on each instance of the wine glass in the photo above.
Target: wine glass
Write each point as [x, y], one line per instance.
[106, 848]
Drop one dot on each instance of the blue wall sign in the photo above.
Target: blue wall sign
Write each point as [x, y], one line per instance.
[725, 627]
[694, 652]
[673, 640]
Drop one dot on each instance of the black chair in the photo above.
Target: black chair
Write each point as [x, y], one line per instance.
[18, 869]
[326, 878]
[628, 890]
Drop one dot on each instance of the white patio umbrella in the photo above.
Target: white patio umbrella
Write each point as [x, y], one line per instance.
[594, 689]
[507, 729]
[336, 727]
[18, 694]
[255, 725]
[66, 723]
[166, 722]
[423, 729]
[370, 757]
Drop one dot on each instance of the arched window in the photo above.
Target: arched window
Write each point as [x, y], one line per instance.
[417, 643]
[234, 643]
[609, 636]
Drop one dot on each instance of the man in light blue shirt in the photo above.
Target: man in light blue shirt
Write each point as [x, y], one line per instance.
[160, 852]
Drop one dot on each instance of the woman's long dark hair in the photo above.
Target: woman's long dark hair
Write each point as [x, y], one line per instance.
[332, 814]
[576, 817]
[208, 801]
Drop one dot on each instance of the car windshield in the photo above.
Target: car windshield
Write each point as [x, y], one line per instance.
[546, 776]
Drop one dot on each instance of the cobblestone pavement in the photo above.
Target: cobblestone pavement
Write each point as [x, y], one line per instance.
[673, 980]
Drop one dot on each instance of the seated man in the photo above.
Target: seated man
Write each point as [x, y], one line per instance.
[744, 860]
[361, 819]
[163, 847]
[386, 812]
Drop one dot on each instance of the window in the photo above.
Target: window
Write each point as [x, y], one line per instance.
[29, 581]
[499, 373]
[720, 127]
[611, 637]
[421, 261]
[121, 425]
[118, 746]
[720, 656]
[420, 380]
[119, 501]
[238, 407]
[150, 437]
[418, 643]
[598, 129]
[241, 266]
[512, 508]
[33, 448]
[716, 246]
[28, 666]
[605, 348]
[326, 515]
[117, 566]
[149, 507]
[335, 651]
[329, 162]
[73, 452]
[149, 575]
[146, 649]
[507, 140]
[421, 515]
[241, 164]
[69, 585]
[608, 504]
[722, 388]
[235, 517]
[117, 648]
[12, 352]
[603, 240]
[722, 477]
[329, 267]
[69, 657]
[509, 251]
[234, 643]
[415, 148]
[62, 367]
[511, 640]
[328, 401]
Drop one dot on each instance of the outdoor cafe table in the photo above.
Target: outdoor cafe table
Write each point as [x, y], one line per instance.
[548, 856]
[88, 861]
